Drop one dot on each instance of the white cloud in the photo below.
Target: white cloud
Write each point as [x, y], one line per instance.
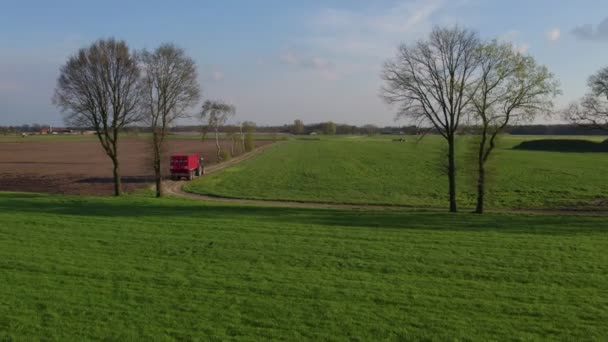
[217, 75]
[554, 35]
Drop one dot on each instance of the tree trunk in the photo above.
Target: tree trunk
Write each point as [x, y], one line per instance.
[480, 188]
[157, 174]
[117, 180]
[481, 171]
[452, 174]
[217, 144]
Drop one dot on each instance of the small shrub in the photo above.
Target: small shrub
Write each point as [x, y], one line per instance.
[225, 155]
[249, 142]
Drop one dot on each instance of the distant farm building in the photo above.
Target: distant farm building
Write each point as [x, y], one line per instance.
[55, 130]
[62, 131]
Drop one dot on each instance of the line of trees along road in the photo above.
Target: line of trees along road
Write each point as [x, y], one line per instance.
[107, 86]
[453, 76]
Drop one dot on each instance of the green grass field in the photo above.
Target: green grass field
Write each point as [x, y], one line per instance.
[377, 170]
[136, 268]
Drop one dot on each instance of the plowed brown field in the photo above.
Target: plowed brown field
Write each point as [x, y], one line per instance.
[82, 167]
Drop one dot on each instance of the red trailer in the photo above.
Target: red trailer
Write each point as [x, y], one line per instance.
[187, 166]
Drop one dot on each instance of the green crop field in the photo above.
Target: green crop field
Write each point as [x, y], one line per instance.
[137, 268]
[377, 170]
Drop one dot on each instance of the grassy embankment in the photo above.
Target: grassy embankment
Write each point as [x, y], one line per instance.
[77, 268]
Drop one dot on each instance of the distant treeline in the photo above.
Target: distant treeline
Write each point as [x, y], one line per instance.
[319, 128]
[343, 129]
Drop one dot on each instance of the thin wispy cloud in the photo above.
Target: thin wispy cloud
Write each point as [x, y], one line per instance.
[318, 64]
[217, 75]
[343, 42]
[371, 33]
[290, 58]
[554, 35]
[592, 32]
[401, 18]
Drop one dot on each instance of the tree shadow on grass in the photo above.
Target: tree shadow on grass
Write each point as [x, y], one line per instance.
[564, 145]
[175, 210]
[124, 180]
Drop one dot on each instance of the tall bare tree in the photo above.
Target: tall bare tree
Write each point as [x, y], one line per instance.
[216, 114]
[592, 109]
[98, 88]
[512, 88]
[433, 81]
[169, 87]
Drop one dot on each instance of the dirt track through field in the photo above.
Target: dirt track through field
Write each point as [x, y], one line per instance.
[175, 188]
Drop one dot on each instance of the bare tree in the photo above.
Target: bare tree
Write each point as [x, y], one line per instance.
[433, 81]
[512, 87]
[98, 88]
[168, 87]
[592, 109]
[216, 114]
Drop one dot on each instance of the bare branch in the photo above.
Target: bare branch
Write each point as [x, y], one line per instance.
[216, 113]
[592, 110]
[168, 88]
[98, 88]
[433, 82]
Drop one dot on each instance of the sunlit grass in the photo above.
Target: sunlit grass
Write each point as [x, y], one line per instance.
[75, 268]
[378, 170]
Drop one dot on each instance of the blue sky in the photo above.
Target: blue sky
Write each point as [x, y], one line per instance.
[282, 60]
